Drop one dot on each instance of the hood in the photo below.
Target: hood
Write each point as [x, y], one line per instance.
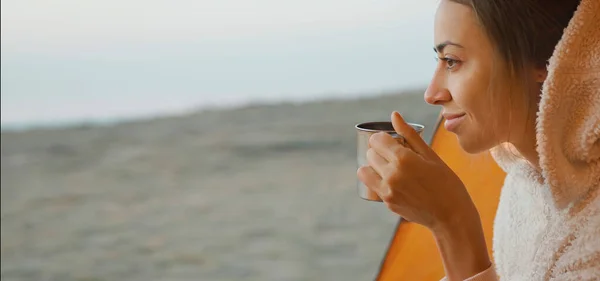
[568, 119]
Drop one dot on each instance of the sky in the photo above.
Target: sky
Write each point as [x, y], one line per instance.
[73, 60]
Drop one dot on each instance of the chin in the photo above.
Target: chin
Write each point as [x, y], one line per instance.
[472, 145]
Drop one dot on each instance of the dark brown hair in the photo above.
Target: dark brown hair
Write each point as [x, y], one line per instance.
[524, 32]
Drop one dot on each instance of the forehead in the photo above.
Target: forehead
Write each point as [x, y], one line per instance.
[457, 23]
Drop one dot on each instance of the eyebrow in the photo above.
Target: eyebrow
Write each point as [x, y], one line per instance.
[440, 47]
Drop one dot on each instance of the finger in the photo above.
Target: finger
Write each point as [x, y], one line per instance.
[413, 139]
[377, 162]
[386, 146]
[370, 178]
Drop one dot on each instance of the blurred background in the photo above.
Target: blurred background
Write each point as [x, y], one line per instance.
[200, 140]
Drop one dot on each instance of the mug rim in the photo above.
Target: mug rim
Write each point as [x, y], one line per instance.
[360, 127]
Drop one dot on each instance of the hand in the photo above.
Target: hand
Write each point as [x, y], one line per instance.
[415, 183]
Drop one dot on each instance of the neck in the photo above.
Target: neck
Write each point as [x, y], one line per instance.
[526, 139]
[527, 146]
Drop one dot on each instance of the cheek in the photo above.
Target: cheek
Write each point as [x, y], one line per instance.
[476, 89]
[481, 129]
[472, 97]
[489, 121]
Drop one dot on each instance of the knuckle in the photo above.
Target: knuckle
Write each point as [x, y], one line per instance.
[398, 151]
[392, 197]
[362, 172]
[400, 160]
[395, 178]
[387, 198]
[374, 138]
[359, 172]
[370, 153]
[392, 193]
[389, 180]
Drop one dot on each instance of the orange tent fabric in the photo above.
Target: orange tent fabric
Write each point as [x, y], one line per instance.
[412, 253]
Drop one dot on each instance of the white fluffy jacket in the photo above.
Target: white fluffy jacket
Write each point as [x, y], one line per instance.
[547, 225]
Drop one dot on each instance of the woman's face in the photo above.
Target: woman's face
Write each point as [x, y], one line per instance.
[476, 107]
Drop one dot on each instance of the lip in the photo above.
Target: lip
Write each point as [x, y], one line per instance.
[449, 116]
[453, 121]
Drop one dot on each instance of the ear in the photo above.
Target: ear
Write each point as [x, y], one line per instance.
[540, 74]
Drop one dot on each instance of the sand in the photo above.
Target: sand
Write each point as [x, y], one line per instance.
[264, 192]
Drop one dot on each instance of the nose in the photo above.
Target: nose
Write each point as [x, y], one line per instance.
[437, 93]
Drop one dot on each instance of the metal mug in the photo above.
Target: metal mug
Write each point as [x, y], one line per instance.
[364, 132]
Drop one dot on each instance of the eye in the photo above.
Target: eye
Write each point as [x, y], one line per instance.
[450, 63]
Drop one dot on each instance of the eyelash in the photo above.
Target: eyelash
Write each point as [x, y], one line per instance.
[447, 61]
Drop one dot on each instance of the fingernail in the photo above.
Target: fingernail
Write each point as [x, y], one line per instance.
[398, 114]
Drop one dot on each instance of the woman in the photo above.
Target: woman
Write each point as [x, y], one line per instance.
[520, 78]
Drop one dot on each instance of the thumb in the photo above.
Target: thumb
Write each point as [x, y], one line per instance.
[411, 136]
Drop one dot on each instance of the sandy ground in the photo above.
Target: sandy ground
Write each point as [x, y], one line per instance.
[258, 193]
